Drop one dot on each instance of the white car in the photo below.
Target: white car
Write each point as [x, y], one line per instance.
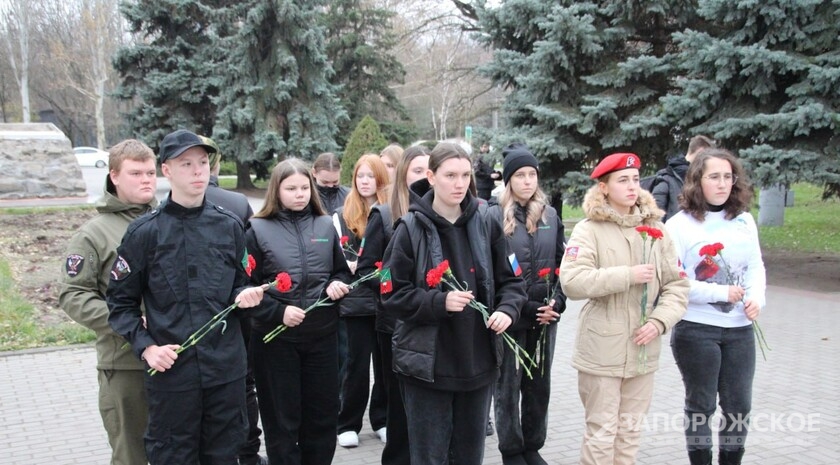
[91, 156]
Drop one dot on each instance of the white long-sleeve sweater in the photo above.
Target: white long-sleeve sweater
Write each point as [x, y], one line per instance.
[739, 262]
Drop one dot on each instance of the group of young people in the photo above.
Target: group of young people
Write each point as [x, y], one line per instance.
[436, 286]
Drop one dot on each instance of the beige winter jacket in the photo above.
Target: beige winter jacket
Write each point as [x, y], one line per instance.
[596, 266]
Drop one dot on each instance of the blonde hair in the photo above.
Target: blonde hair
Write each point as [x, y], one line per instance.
[129, 149]
[535, 210]
[394, 152]
[284, 169]
[356, 209]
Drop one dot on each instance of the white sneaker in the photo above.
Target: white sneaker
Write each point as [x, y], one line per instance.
[348, 439]
[383, 434]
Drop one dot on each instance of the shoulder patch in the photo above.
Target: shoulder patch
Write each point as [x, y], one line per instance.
[120, 269]
[73, 265]
[572, 253]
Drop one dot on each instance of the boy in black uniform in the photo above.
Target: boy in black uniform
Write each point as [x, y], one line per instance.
[185, 263]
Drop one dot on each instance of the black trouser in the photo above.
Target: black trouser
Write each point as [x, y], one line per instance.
[396, 449]
[446, 426]
[355, 386]
[205, 426]
[251, 448]
[526, 430]
[297, 383]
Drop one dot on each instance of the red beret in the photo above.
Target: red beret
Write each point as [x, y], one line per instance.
[616, 162]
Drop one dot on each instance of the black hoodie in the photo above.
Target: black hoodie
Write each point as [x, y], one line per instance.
[451, 351]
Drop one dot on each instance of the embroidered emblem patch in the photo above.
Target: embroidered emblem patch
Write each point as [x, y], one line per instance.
[571, 253]
[631, 161]
[74, 264]
[120, 269]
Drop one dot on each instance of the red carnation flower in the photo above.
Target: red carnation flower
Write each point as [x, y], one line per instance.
[284, 282]
[378, 266]
[543, 273]
[433, 277]
[711, 250]
[443, 267]
[344, 240]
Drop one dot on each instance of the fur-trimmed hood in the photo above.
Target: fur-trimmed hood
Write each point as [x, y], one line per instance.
[596, 208]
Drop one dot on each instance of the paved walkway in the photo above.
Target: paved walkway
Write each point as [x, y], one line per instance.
[48, 412]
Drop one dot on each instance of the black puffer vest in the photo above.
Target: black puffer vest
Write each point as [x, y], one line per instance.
[303, 246]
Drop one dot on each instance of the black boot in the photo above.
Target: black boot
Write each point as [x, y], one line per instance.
[700, 457]
[730, 457]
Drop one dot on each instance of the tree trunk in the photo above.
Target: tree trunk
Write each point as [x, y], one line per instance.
[771, 206]
[243, 176]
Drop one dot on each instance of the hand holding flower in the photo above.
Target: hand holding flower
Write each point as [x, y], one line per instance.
[643, 273]
[250, 297]
[647, 333]
[736, 293]
[456, 301]
[499, 322]
[161, 358]
[751, 309]
[293, 316]
[337, 290]
[546, 314]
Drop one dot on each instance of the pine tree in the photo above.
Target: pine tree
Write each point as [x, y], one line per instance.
[360, 44]
[276, 98]
[584, 81]
[170, 72]
[764, 79]
[367, 137]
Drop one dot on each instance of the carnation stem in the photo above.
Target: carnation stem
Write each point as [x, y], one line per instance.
[762, 342]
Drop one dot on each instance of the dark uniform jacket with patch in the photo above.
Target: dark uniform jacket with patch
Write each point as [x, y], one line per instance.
[86, 273]
[186, 265]
[306, 247]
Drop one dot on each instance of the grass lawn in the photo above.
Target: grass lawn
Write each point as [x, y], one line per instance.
[230, 183]
[18, 326]
[811, 225]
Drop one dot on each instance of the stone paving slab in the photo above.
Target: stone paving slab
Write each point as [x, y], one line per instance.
[49, 415]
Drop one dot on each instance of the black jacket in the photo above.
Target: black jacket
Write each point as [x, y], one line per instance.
[332, 197]
[185, 265]
[543, 249]
[431, 346]
[482, 171]
[306, 247]
[362, 300]
[669, 184]
[233, 201]
[377, 236]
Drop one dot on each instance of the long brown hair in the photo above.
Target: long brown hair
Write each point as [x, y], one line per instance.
[692, 199]
[284, 169]
[356, 209]
[399, 192]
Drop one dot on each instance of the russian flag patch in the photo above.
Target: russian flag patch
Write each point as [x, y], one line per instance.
[514, 264]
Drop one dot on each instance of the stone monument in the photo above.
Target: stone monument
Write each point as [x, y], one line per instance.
[36, 162]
